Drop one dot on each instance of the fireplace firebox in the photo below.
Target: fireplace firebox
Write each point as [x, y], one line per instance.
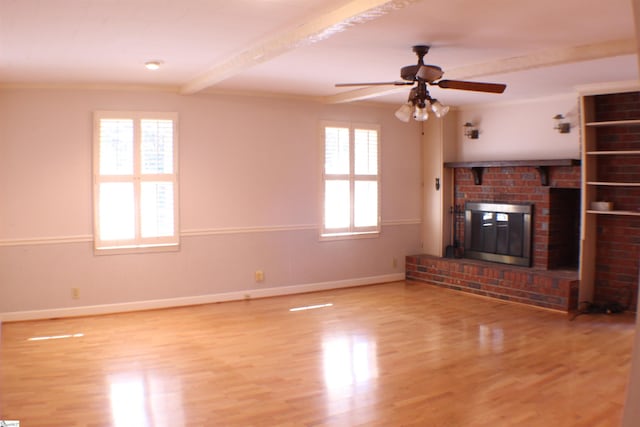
[498, 232]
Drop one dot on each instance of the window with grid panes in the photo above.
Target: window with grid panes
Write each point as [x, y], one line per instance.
[351, 180]
[135, 181]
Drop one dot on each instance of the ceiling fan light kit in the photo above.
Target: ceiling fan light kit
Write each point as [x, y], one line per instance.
[421, 75]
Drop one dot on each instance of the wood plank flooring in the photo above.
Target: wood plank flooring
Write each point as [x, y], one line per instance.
[397, 354]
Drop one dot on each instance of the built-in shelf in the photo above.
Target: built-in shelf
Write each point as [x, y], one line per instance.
[609, 175]
[614, 153]
[477, 167]
[614, 184]
[615, 123]
[628, 213]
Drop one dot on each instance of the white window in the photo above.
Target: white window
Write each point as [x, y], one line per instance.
[351, 180]
[135, 186]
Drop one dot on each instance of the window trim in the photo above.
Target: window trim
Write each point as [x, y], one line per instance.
[138, 244]
[350, 232]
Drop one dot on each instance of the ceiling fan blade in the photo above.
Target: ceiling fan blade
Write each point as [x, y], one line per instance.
[396, 83]
[429, 73]
[474, 86]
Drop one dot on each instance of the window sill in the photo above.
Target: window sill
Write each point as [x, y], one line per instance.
[136, 249]
[348, 236]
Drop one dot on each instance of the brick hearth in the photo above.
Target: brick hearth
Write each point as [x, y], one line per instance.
[555, 289]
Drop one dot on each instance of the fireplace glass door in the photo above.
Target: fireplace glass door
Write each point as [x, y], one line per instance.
[498, 232]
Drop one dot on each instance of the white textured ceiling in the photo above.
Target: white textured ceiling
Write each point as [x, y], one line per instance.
[303, 47]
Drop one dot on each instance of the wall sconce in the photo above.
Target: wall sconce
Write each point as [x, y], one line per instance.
[470, 131]
[562, 127]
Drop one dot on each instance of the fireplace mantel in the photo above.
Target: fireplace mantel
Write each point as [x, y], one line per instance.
[542, 166]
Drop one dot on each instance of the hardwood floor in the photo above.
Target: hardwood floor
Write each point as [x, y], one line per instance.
[387, 355]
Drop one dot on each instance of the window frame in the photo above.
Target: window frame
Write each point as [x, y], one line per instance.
[352, 231]
[138, 244]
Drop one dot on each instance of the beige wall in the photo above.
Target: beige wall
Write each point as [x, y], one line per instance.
[249, 171]
[519, 130]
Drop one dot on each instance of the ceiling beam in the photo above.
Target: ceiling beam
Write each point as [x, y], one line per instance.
[319, 28]
[547, 58]
[544, 58]
[362, 94]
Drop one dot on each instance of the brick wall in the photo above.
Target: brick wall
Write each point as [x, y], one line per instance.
[617, 255]
[617, 106]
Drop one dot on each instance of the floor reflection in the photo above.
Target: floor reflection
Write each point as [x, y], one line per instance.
[54, 337]
[350, 366]
[491, 338]
[349, 360]
[142, 400]
[128, 403]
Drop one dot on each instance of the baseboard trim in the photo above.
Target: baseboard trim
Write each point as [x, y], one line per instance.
[92, 310]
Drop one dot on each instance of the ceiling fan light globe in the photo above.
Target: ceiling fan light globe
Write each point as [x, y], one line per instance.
[421, 114]
[404, 113]
[439, 109]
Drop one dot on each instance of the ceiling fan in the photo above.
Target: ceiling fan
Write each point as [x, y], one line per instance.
[422, 75]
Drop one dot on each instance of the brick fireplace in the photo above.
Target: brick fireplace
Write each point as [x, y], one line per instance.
[552, 188]
[556, 207]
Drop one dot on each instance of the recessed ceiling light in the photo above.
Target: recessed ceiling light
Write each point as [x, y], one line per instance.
[152, 65]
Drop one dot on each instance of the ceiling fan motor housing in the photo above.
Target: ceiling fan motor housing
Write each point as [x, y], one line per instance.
[409, 72]
[421, 50]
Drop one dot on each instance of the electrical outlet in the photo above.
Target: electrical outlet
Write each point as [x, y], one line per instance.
[395, 262]
[259, 275]
[75, 293]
